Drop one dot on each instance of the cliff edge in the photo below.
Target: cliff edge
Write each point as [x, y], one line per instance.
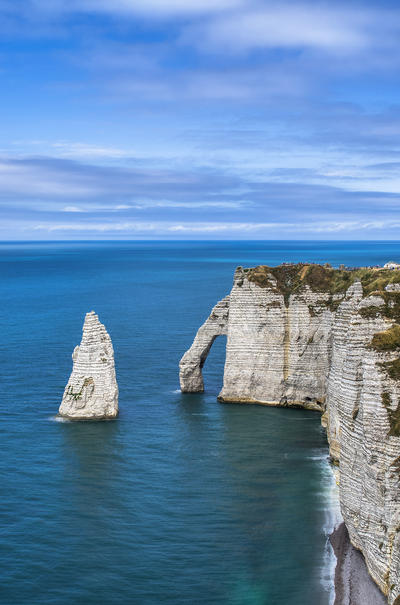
[311, 336]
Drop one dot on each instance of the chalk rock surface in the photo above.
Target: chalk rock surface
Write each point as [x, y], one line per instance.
[278, 345]
[191, 377]
[363, 405]
[92, 391]
[277, 349]
[312, 336]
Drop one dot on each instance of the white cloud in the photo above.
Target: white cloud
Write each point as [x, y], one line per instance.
[73, 209]
[289, 25]
[151, 204]
[24, 179]
[146, 8]
[270, 228]
[86, 150]
[97, 227]
[156, 8]
[173, 204]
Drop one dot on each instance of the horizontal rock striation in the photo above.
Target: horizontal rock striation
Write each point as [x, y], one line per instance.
[277, 351]
[362, 404]
[191, 377]
[92, 391]
[329, 340]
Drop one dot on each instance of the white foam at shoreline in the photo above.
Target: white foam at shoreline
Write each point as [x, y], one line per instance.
[333, 518]
[58, 419]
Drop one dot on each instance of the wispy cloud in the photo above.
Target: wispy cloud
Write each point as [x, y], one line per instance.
[155, 8]
[48, 184]
[242, 229]
[287, 25]
[183, 118]
[231, 205]
[72, 209]
[84, 150]
[154, 204]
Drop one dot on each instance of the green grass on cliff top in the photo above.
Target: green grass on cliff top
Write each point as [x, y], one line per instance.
[389, 340]
[292, 279]
[322, 278]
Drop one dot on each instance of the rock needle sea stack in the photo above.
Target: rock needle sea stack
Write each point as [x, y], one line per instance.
[92, 390]
[311, 336]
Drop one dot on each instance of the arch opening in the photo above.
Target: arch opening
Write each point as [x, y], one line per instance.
[192, 363]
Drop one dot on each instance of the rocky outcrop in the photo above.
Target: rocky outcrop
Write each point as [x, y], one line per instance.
[325, 339]
[192, 362]
[92, 391]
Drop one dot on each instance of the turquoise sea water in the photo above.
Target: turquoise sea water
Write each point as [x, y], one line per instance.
[181, 500]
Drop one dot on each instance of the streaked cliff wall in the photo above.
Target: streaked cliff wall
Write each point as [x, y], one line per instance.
[92, 391]
[310, 336]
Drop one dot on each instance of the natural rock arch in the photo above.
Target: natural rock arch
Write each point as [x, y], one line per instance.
[191, 365]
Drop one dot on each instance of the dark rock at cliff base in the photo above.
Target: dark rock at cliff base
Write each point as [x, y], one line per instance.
[353, 584]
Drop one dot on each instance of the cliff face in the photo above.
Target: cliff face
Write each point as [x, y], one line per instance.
[272, 344]
[362, 403]
[91, 392]
[279, 344]
[310, 336]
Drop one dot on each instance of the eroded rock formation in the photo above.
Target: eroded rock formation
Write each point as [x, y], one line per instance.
[92, 391]
[324, 339]
[191, 377]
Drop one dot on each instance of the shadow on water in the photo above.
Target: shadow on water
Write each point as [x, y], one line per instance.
[198, 408]
[257, 464]
[93, 453]
[92, 444]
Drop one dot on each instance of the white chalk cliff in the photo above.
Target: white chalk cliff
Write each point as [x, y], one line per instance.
[329, 340]
[92, 391]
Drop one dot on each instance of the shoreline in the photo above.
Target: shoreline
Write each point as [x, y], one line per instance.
[353, 584]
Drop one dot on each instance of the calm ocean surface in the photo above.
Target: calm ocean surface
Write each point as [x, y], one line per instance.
[181, 500]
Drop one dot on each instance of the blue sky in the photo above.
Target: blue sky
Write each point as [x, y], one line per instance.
[199, 119]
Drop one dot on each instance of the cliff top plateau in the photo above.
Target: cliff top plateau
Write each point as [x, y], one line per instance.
[293, 278]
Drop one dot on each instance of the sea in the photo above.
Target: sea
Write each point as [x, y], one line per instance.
[180, 500]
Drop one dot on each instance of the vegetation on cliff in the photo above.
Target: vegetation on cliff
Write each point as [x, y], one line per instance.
[371, 312]
[393, 415]
[389, 340]
[292, 278]
[392, 368]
